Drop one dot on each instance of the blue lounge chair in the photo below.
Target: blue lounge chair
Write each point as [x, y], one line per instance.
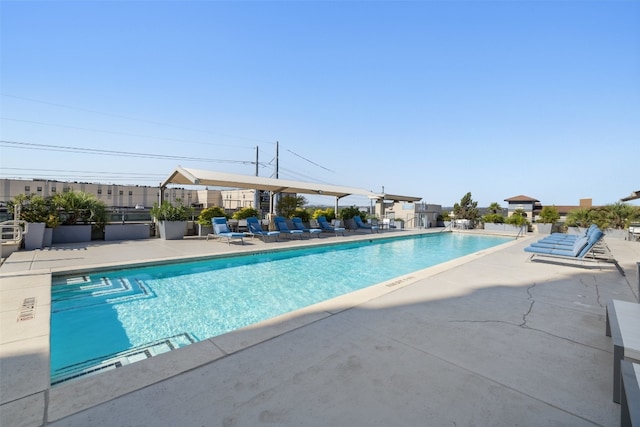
[568, 240]
[221, 229]
[363, 226]
[281, 225]
[580, 249]
[255, 229]
[297, 222]
[325, 226]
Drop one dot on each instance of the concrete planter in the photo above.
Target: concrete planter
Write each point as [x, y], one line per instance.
[616, 233]
[72, 233]
[350, 224]
[48, 237]
[34, 237]
[575, 230]
[542, 228]
[172, 230]
[504, 228]
[126, 231]
[204, 230]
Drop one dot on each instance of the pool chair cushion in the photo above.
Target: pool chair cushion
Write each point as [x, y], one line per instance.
[221, 229]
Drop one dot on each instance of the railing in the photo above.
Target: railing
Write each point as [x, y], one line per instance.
[11, 231]
[411, 222]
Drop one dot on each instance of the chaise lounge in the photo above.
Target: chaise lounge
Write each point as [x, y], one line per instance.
[281, 225]
[325, 226]
[221, 229]
[363, 226]
[255, 229]
[297, 222]
[584, 248]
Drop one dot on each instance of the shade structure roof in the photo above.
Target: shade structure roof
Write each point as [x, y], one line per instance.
[188, 176]
[633, 196]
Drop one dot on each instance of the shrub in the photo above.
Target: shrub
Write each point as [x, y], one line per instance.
[34, 208]
[350, 212]
[549, 215]
[207, 214]
[493, 218]
[518, 218]
[245, 213]
[328, 213]
[303, 214]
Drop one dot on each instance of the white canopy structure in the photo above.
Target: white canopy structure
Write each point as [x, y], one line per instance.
[633, 196]
[188, 176]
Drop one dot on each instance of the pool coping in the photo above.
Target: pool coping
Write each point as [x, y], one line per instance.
[74, 396]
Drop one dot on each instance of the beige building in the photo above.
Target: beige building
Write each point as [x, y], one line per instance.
[407, 209]
[128, 196]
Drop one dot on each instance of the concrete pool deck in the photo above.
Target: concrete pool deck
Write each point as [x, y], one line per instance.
[488, 339]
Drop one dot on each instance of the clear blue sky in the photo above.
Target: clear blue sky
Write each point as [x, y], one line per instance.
[426, 98]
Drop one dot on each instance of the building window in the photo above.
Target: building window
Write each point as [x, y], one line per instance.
[39, 189]
[120, 193]
[99, 191]
[130, 193]
[109, 192]
[27, 188]
[53, 189]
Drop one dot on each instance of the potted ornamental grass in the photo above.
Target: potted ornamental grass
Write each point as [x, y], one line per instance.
[171, 219]
[80, 214]
[548, 217]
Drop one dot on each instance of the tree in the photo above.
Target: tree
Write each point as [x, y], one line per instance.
[495, 208]
[288, 205]
[466, 209]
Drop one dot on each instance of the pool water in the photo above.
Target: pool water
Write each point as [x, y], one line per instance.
[104, 320]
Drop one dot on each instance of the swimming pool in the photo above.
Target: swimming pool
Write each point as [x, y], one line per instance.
[106, 319]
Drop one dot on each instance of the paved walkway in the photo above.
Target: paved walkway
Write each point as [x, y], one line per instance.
[489, 339]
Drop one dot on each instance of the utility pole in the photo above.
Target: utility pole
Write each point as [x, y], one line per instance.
[256, 192]
[277, 159]
[275, 198]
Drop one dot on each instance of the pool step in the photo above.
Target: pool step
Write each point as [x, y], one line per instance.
[118, 360]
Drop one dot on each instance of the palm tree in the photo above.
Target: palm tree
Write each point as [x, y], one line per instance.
[495, 208]
[619, 215]
[581, 217]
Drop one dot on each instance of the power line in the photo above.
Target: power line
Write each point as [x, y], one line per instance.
[29, 170]
[119, 133]
[60, 148]
[310, 161]
[119, 116]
